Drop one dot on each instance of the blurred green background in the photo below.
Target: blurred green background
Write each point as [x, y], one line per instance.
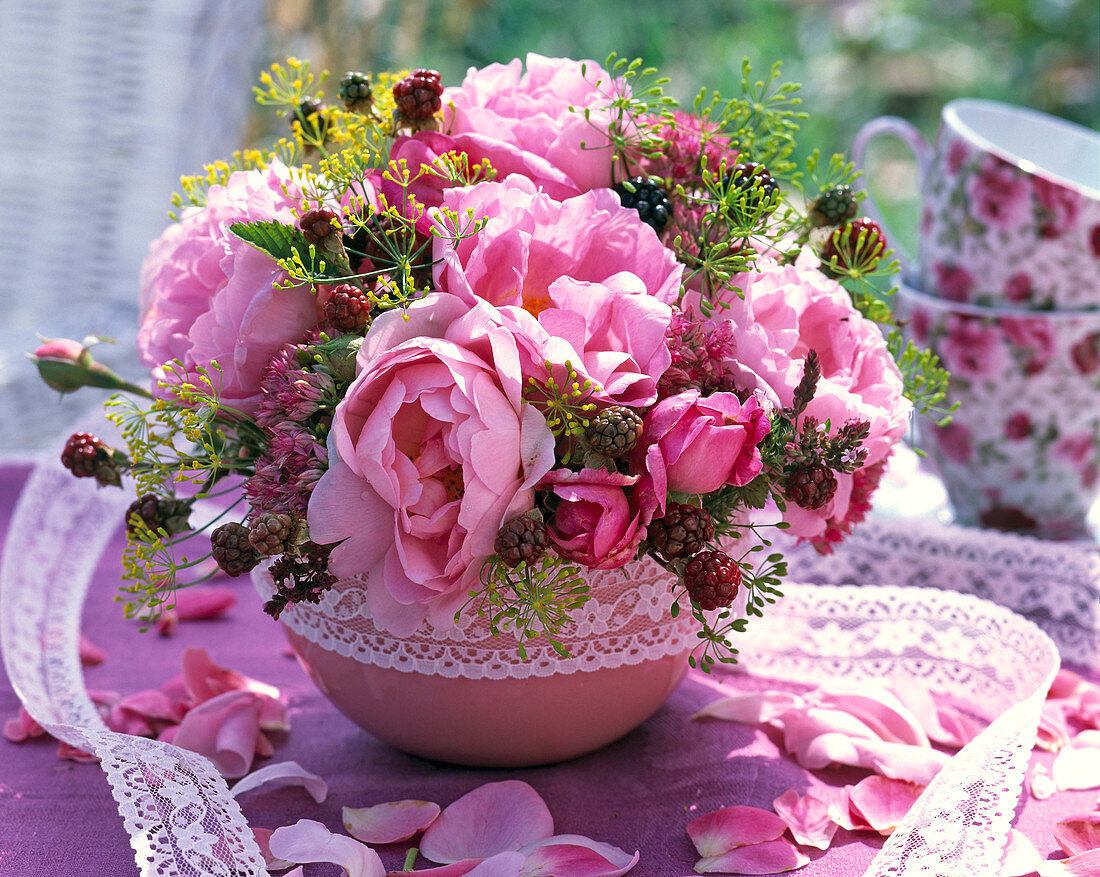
[856, 59]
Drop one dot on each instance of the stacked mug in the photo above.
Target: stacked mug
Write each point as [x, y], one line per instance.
[1006, 291]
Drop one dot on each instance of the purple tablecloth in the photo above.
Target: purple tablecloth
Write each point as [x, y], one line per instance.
[58, 818]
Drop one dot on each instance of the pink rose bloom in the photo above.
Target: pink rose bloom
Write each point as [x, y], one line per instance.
[1078, 449]
[531, 240]
[1018, 426]
[594, 524]
[1018, 287]
[971, 349]
[695, 444]
[533, 123]
[957, 153]
[434, 450]
[999, 195]
[1086, 354]
[784, 312]
[1061, 206]
[953, 282]
[207, 296]
[1034, 336]
[954, 442]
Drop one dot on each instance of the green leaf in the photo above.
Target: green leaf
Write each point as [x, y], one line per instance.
[277, 239]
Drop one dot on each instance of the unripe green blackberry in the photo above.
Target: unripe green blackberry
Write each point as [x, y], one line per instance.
[614, 431]
[833, 206]
[158, 513]
[355, 91]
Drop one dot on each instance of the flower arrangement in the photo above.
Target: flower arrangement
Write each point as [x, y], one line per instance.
[472, 341]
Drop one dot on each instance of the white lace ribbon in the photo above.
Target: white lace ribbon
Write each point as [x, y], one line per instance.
[182, 819]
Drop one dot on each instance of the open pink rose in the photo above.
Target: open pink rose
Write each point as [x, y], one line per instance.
[435, 450]
[594, 524]
[533, 123]
[530, 241]
[208, 296]
[999, 195]
[695, 444]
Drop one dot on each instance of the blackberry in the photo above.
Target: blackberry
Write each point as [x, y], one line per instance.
[522, 539]
[857, 247]
[419, 95]
[232, 551]
[310, 114]
[347, 309]
[753, 182]
[355, 91]
[681, 532]
[86, 456]
[651, 202]
[270, 533]
[834, 206]
[810, 486]
[614, 431]
[712, 579]
[319, 224]
[158, 513]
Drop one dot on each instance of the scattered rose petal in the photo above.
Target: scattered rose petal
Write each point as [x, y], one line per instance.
[576, 860]
[491, 819]
[1088, 738]
[168, 622]
[617, 858]
[772, 857]
[90, 653]
[1076, 768]
[880, 711]
[898, 761]
[1041, 783]
[807, 817]
[881, 802]
[1066, 684]
[201, 602]
[1052, 733]
[309, 841]
[137, 713]
[751, 709]
[284, 773]
[22, 727]
[722, 830]
[507, 864]
[1021, 857]
[941, 721]
[1078, 834]
[1081, 865]
[224, 729]
[390, 822]
[70, 753]
[203, 680]
[263, 841]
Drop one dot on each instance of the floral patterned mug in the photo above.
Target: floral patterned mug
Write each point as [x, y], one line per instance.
[1022, 452]
[1011, 206]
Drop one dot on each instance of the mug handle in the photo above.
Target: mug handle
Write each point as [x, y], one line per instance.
[907, 133]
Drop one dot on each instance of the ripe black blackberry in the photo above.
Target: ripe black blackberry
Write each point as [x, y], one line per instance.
[712, 579]
[522, 539]
[310, 114]
[833, 206]
[753, 182]
[651, 202]
[319, 224]
[158, 513]
[419, 95]
[232, 551]
[355, 91]
[270, 533]
[86, 456]
[614, 431]
[810, 486]
[682, 531]
[347, 309]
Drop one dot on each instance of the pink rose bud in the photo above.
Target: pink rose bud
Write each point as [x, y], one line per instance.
[66, 366]
[64, 349]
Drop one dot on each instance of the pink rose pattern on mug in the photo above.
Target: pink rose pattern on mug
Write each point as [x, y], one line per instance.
[993, 234]
[1022, 452]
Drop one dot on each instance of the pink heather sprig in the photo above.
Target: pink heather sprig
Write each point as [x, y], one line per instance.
[688, 138]
[701, 353]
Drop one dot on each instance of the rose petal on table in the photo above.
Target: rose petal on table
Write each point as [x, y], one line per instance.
[1080, 865]
[224, 729]
[168, 622]
[137, 713]
[614, 856]
[284, 773]
[90, 653]
[880, 711]
[1052, 733]
[263, 841]
[1090, 737]
[723, 830]
[202, 602]
[493, 818]
[771, 857]
[1041, 783]
[1021, 857]
[22, 727]
[390, 822]
[168, 735]
[1076, 768]
[941, 721]
[70, 753]
[1078, 834]
[203, 679]
[1066, 684]
[507, 864]
[882, 802]
[898, 761]
[309, 841]
[576, 860]
[759, 708]
[808, 817]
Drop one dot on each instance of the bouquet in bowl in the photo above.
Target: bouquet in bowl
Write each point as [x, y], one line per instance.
[471, 342]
